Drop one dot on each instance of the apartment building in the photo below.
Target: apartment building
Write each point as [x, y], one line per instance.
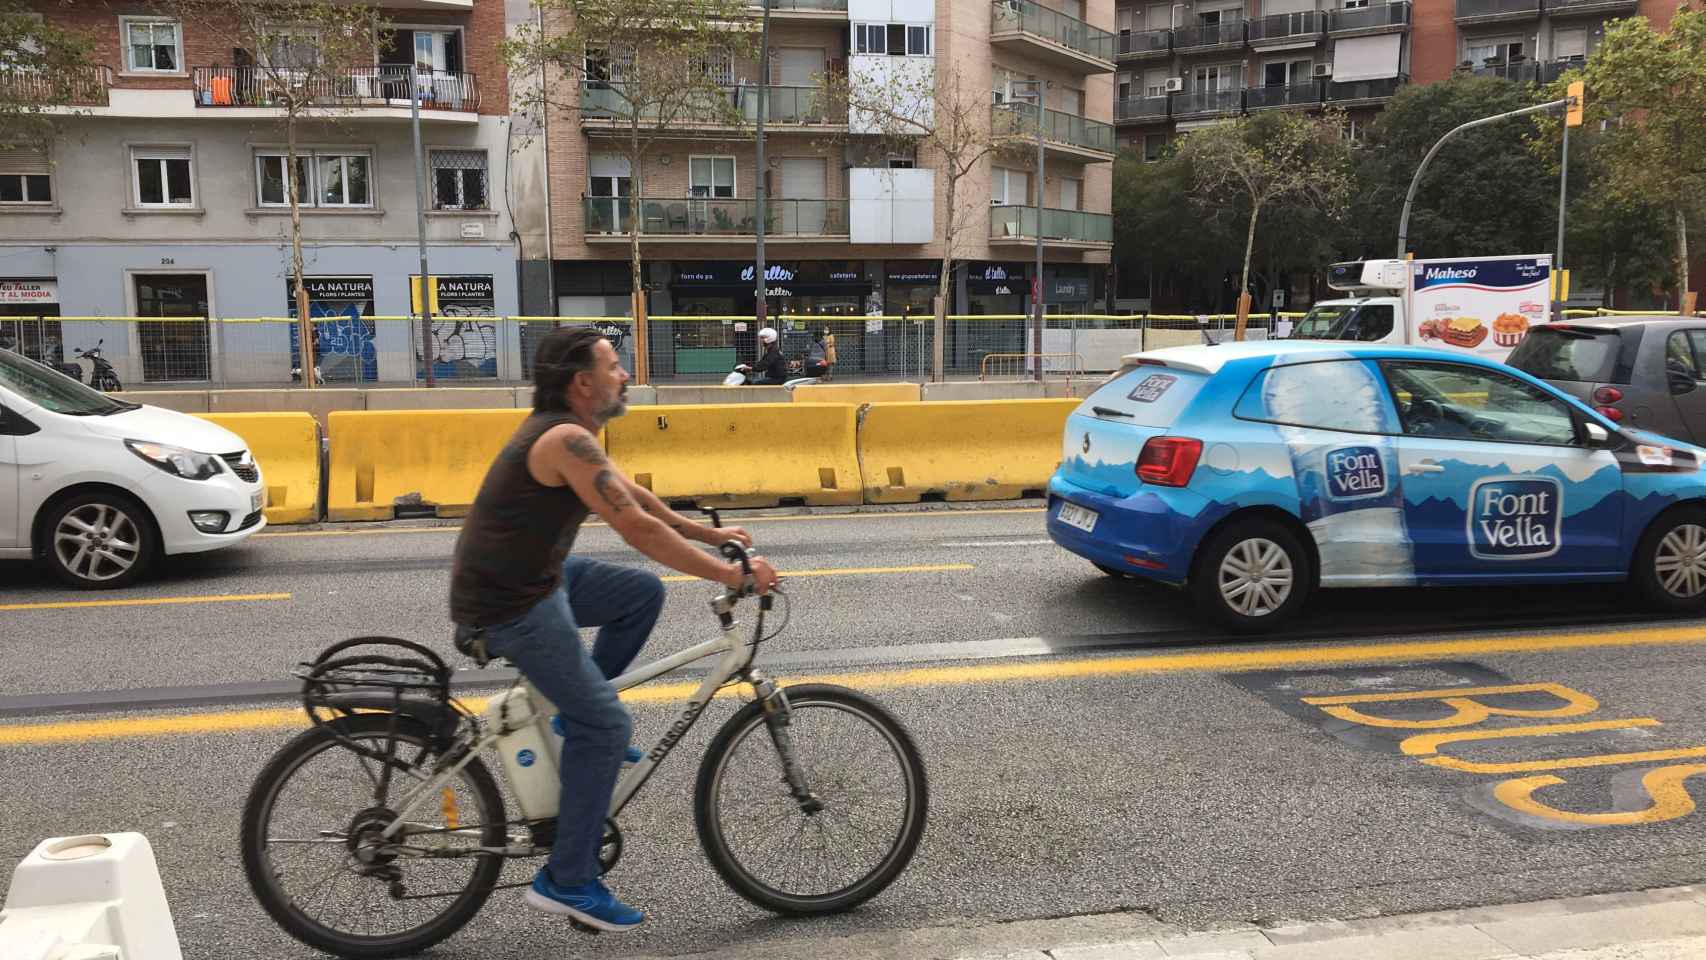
[851, 230]
[164, 196]
[1182, 65]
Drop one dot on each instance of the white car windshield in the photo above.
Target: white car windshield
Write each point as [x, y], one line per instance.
[52, 390]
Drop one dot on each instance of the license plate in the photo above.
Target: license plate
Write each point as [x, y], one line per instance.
[255, 500]
[1074, 515]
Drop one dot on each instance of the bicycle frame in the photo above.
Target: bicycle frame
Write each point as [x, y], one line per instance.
[738, 655]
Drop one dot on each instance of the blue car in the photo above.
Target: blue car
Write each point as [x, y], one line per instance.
[1252, 473]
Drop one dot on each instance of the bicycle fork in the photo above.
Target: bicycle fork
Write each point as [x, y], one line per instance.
[778, 715]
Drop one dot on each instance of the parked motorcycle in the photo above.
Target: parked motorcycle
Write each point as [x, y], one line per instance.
[104, 376]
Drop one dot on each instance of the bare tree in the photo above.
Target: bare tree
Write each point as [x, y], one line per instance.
[1269, 159]
[45, 70]
[313, 61]
[653, 67]
[948, 120]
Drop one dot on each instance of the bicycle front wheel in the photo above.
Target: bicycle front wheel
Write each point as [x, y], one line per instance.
[846, 845]
[314, 859]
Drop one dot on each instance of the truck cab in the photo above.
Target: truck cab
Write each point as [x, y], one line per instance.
[1368, 319]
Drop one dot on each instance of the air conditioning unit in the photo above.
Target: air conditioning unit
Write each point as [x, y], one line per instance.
[1175, 84]
[1323, 70]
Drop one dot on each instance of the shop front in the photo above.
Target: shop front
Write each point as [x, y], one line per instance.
[725, 292]
[465, 340]
[342, 311]
[25, 305]
[1000, 291]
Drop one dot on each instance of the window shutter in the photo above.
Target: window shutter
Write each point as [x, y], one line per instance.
[29, 162]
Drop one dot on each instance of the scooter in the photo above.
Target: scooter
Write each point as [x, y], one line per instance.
[104, 376]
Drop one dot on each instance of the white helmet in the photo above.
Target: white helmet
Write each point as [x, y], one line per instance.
[767, 335]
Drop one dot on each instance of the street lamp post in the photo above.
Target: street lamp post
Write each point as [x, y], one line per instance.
[420, 221]
[758, 266]
[1037, 87]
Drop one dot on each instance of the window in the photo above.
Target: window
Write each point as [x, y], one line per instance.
[711, 177]
[1009, 187]
[1373, 323]
[1679, 356]
[605, 66]
[717, 66]
[1286, 73]
[1154, 147]
[1218, 77]
[286, 48]
[25, 177]
[459, 180]
[1314, 395]
[175, 349]
[918, 42]
[162, 177]
[902, 163]
[151, 46]
[1071, 190]
[1155, 83]
[1569, 44]
[328, 179]
[1124, 89]
[1468, 403]
[1500, 50]
[894, 39]
[609, 185]
[1355, 4]
[1355, 129]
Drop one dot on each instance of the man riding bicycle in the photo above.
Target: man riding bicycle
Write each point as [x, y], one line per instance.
[515, 588]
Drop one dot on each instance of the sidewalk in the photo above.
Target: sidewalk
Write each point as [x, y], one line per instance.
[1666, 924]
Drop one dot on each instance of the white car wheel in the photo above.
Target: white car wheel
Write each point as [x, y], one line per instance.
[99, 540]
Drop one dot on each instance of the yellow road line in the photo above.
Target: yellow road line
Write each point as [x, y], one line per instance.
[146, 601]
[12, 734]
[739, 521]
[848, 571]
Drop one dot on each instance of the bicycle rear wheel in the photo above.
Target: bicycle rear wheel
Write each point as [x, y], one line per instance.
[313, 806]
[859, 763]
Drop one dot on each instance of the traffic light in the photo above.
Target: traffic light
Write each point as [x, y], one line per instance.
[1577, 94]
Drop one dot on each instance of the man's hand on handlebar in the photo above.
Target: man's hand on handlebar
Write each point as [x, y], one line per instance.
[763, 575]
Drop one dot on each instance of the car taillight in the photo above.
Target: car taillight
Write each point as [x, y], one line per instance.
[1611, 413]
[1168, 461]
[1607, 395]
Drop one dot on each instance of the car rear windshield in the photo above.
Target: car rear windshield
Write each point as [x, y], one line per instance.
[1145, 395]
[1572, 354]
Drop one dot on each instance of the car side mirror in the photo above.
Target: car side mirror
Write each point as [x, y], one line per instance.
[1681, 383]
[1598, 437]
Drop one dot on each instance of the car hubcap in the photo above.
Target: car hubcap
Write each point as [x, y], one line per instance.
[1256, 577]
[1681, 561]
[97, 542]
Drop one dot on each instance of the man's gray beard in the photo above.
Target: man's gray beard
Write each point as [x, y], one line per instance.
[614, 410]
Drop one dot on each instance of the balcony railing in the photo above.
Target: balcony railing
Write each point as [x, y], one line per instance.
[731, 106]
[1142, 108]
[1394, 14]
[1497, 9]
[74, 87]
[1078, 226]
[800, 6]
[1295, 95]
[708, 217]
[1526, 71]
[383, 86]
[1145, 43]
[1341, 91]
[1207, 102]
[1286, 26]
[1051, 25]
[1228, 33]
[1020, 120]
[1567, 7]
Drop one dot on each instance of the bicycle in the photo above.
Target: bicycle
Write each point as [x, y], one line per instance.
[383, 707]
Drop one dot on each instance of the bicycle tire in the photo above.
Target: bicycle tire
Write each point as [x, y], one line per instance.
[257, 812]
[739, 876]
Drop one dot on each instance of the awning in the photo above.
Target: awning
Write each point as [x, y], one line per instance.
[1367, 58]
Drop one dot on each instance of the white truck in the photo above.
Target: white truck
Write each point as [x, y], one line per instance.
[1480, 305]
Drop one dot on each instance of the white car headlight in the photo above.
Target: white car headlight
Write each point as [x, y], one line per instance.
[176, 460]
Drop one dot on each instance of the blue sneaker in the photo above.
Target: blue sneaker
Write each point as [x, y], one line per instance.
[591, 903]
[634, 755]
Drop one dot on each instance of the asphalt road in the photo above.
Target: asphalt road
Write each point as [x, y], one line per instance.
[1091, 749]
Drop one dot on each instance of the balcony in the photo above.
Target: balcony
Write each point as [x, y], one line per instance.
[805, 10]
[605, 109]
[1205, 37]
[76, 87]
[1060, 228]
[1065, 136]
[1471, 12]
[1391, 17]
[1202, 104]
[608, 220]
[1148, 45]
[1287, 29]
[1349, 93]
[1525, 71]
[1308, 94]
[1573, 8]
[1138, 110]
[382, 90]
[1038, 31]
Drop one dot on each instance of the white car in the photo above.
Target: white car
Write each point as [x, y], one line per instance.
[99, 489]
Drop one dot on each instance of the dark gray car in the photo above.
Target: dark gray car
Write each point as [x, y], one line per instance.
[1646, 372]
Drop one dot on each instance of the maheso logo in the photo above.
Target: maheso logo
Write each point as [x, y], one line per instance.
[1354, 473]
[1515, 518]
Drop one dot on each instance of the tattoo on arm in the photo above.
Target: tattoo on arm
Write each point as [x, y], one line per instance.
[585, 448]
[611, 488]
[677, 524]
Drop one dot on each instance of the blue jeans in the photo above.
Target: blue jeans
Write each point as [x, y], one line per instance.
[545, 645]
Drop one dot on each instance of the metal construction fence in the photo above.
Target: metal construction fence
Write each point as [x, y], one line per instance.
[386, 351]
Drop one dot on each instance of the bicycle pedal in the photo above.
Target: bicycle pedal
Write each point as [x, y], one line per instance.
[584, 927]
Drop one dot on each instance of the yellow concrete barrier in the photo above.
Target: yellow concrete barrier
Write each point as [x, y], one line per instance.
[757, 454]
[960, 449]
[857, 393]
[422, 459]
[287, 447]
